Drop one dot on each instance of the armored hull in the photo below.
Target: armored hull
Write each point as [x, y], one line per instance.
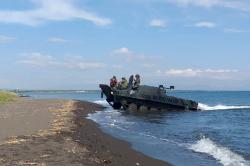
[146, 98]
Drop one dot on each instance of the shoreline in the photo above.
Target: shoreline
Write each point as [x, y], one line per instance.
[57, 132]
[110, 146]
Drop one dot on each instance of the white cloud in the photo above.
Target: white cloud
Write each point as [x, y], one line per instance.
[57, 40]
[233, 4]
[205, 24]
[158, 23]
[123, 53]
[198, 72]
[234, 30]
[38, 59]
[137, 61]
[87, 65]
[203, 3]
[183, 73]
[6, 39]
[149, 65]
[48, 10]
[126, 54]
[122, 50]
[41, 60]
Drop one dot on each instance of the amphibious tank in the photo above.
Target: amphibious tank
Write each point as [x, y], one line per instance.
[146, 98]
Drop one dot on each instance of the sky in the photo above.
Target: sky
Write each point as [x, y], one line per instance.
[78, 44]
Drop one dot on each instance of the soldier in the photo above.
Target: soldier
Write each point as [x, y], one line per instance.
[123, 84]
[113, 82]
[137, 81]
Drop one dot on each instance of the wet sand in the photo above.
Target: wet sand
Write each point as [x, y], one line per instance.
[56, 132]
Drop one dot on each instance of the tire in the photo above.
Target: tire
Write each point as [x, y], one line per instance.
[132, 108]
[124, 104]
[143, 109]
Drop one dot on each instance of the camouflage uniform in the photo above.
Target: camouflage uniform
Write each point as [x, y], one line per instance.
[137, 81]
[123, 84]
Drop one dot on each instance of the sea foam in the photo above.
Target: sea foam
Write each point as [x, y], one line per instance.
[222, 154]
[102, 102]
[205, 107]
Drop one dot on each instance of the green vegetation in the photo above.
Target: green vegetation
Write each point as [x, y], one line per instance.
[7, 96]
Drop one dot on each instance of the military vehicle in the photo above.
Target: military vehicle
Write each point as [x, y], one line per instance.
[145, 98]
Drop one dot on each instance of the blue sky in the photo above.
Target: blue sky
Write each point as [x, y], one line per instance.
[77, 44]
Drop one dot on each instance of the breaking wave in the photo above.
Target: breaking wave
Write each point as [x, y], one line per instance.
[102, 102]
[205, 107]
[222, 154]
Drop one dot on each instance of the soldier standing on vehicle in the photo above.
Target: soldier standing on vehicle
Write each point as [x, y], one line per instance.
[137, 81]
[113, 82]
[123, 84]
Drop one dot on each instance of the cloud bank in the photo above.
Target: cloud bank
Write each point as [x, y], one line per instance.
[235, 30]
[233, 4]
[189, 72]
[46, 61]
[51, 10]
[6, 39]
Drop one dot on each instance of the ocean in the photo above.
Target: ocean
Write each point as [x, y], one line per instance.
[218, 135]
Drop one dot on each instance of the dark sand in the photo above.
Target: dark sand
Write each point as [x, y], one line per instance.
[56, 132]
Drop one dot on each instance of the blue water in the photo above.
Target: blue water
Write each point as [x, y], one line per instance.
[217, 135]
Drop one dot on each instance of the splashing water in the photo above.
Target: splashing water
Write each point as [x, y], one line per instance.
[102, 102]
[222, 154]
[201, 106]
[205, 107]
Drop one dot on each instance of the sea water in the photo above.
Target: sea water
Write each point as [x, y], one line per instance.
[219, 134]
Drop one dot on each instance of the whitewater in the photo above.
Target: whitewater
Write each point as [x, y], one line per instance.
[223, 155]
[204, 107]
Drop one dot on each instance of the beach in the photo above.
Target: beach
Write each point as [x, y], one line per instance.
[56, 132]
